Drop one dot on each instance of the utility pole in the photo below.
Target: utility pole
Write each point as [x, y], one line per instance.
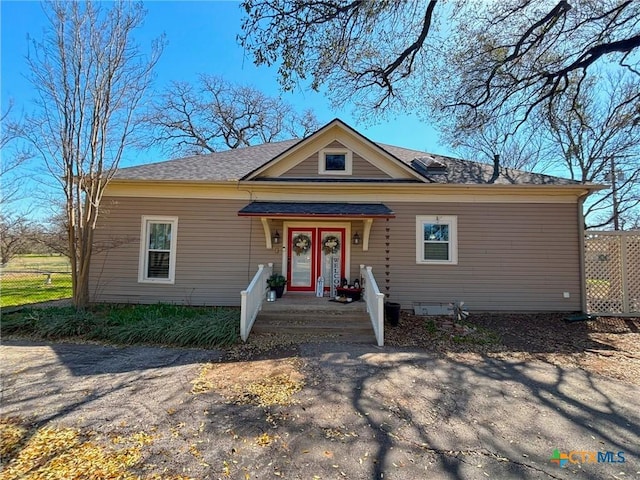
[614, 195]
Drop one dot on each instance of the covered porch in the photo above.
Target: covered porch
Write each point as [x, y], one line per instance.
[317, 244]
[321, 245]
[305, 314]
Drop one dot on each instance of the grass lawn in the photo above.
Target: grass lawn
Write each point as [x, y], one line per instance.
[23, 280]
[26, 288]
[172, 325]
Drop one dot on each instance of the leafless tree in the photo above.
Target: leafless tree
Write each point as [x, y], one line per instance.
[595, 132]
[14, 222]
[14, 156]
[524, 149]
[216, 114]
[89, 76]
[14, 235]
[522, 55]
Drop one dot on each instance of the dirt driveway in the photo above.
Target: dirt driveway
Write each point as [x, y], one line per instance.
[331, 411]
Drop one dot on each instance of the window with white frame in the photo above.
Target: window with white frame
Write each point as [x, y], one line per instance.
[335, 161]
[437, 239]
[158, 249]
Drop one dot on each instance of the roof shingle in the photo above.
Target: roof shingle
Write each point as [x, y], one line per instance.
[233, 165]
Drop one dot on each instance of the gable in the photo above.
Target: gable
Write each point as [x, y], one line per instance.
[336, 152]
[312, 166]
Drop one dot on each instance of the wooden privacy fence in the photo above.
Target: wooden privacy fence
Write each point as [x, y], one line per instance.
[612, 273]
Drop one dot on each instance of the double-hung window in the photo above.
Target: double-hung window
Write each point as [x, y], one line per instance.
[437, 239]
[158, 249]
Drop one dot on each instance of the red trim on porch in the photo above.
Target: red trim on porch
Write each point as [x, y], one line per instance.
[313, 215]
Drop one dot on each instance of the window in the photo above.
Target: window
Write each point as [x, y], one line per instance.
[158, 249]
[437, 239]
[334, 161]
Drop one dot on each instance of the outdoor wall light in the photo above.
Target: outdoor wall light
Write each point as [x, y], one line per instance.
[356, 239]
[276, 238]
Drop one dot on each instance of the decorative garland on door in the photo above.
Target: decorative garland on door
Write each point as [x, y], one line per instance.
[301, 244]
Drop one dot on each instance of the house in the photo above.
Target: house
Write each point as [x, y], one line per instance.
[433, 229]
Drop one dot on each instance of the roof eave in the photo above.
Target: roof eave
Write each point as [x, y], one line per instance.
[316, 215]
[164, 181]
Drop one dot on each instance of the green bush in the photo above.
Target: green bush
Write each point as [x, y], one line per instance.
[140, 324]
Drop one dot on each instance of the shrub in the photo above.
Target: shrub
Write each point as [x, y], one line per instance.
[140, 324]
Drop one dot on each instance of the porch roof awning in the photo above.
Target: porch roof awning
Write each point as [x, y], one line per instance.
[316, 209]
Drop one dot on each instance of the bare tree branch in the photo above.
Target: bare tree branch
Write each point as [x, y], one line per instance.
[90, 76]
[216, 114]
[594, 135]
[384, 54]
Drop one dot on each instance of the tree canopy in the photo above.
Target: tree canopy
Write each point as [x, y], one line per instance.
[519, 51]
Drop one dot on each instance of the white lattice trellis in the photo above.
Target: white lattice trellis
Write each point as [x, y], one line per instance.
[612, 270]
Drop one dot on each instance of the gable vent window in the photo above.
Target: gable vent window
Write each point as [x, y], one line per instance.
[158, 250]
[335, 162]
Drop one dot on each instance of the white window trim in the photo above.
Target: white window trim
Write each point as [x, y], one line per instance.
[348, 161]
[452, 221]
[144, 236]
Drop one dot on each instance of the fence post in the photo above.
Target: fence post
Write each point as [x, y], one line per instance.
[626, 304]
[243, 315]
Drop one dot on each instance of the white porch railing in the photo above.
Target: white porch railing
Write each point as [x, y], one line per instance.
[252, 298]
[374, 301]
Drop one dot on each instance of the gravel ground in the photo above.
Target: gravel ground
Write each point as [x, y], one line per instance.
[445, 402]
[606, 346]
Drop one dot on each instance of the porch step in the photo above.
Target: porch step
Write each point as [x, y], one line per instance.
[351, 326]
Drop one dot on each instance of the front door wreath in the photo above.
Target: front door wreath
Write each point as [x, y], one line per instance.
[331, 245]
[301, 244]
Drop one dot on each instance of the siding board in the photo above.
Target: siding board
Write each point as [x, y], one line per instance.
[217, 252]
[511, 257]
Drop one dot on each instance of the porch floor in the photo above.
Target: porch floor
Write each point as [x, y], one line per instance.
[315, 318]
[304, 301]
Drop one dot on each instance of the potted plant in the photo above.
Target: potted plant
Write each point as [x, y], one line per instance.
[277, 282]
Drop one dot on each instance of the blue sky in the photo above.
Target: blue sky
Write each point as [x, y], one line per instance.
[201, 38]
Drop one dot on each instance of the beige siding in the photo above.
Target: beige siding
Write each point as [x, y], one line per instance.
[217, 252]
[511, 257]
[361, 168]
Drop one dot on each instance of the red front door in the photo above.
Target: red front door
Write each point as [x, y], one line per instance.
[311, 253]
[302, 260]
